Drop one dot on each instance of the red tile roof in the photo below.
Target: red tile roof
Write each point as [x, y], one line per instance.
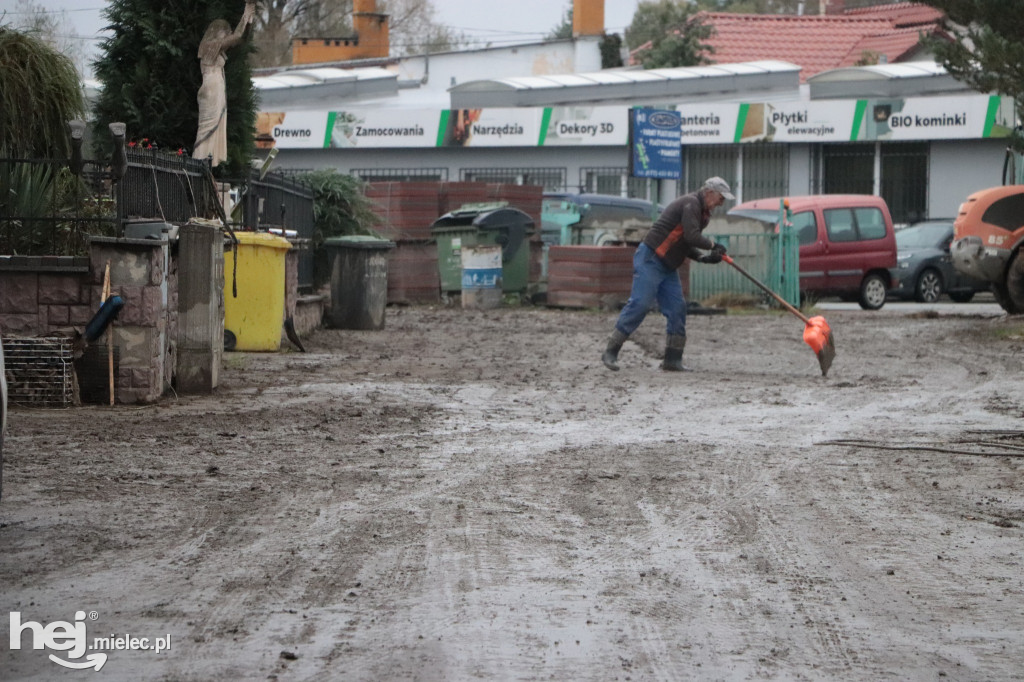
[818, 43]
[897, 46]
[901, 14]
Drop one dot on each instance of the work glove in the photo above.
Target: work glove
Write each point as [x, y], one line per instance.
[711, 258]
[718, 249]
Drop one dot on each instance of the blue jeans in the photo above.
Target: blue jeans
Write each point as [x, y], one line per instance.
[653, 282]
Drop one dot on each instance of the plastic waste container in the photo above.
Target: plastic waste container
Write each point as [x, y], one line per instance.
[359, 281]
[253, 319]
[484, 225]
[481, 277]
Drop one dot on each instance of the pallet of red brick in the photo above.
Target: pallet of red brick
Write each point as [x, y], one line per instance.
[454, 195]
[589, 276]
[527, 198]
[413, 275]
[407, 209]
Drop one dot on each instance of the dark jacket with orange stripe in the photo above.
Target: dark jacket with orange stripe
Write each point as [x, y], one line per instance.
[676, 234]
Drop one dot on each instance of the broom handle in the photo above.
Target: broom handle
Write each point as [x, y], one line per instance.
[783, 302]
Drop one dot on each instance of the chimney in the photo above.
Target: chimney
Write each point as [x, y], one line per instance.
[833, 7]
[370, 40]
[587, 18]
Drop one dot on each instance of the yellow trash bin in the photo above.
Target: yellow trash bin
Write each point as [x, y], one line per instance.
[253, 320]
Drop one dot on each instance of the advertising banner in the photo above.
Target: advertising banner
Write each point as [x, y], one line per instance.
[708, 123]
[937, 118]
[584, 125]
[489, 128]
[864, 120]
[385, 128]
[654, 150]
[292, 130]
[827, 121]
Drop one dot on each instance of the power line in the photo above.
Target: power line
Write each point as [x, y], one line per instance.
[55, 11]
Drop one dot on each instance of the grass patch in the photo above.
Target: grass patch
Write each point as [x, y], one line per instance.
[1012, 332]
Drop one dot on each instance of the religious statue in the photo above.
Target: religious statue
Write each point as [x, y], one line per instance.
[211, 137]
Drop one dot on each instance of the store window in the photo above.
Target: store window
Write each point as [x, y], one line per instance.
[904, 183]
[765, 170]
[704, 161]
[847, 169]
[401, 174]
[551, 179]
[616, 181]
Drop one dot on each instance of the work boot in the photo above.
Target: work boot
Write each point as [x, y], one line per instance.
[611, 352]
[674, 346]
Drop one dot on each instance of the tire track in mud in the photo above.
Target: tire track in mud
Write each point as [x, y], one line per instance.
[474, 496]
[727, 528]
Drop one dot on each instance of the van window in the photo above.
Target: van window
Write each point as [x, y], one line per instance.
[839, 225]
[870, 223]
[805, 226]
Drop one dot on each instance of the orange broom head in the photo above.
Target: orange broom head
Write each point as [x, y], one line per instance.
[817, 333]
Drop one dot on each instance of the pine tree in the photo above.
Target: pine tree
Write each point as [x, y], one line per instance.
[988, 53]
[150, 74]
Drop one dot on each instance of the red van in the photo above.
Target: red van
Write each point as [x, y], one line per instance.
[847, 243]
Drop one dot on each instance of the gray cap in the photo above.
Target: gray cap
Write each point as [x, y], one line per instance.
[719, 185]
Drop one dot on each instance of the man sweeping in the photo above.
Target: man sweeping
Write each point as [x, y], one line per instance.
[676, 235]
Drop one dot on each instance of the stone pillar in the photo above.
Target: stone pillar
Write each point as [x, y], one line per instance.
[200, 308]
[138, 273]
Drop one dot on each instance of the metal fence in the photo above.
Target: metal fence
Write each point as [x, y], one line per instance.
[285, 206]
[771, 258]
[45, 209]
[170, 187]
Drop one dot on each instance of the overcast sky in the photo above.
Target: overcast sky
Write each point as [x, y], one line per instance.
[499, 21]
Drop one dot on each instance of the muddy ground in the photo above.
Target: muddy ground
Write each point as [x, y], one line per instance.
[471, 495]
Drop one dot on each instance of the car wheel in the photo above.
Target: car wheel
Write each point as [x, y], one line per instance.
[1013, 295]
[1003, 298]
[872, 292]
[928, 287]
[962, 297]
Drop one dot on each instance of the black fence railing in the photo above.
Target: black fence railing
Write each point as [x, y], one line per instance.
[168, 187]
[45, 209]
[282, 205]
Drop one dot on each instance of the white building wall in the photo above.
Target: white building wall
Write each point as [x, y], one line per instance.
[960, 168]
[443, 70]
[456, 159]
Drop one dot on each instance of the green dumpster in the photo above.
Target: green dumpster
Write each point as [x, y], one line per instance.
[484, 225]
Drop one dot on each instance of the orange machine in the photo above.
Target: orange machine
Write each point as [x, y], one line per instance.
[987, 240]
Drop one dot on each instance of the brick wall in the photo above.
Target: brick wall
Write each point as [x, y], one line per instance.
[41, 295]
